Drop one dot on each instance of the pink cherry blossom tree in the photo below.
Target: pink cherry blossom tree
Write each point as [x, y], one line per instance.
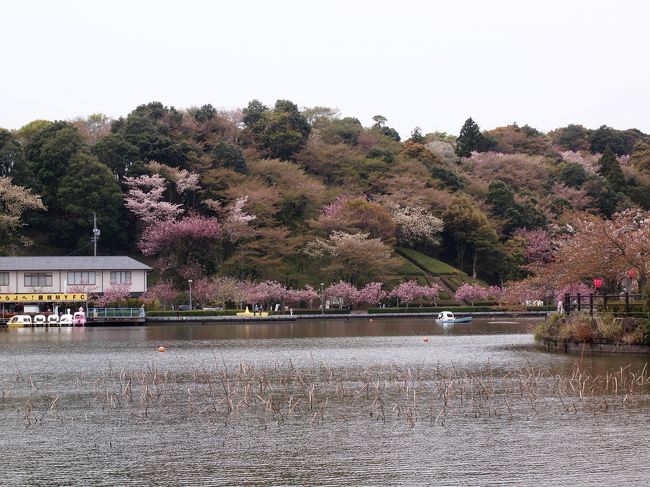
[573, 290]
[113, 294]
[264, 292]
[431, 293]
[343, 291]
[163, 291]
[372, 293]
[145, 199]
[539, 247]
[204, 290]
[235, 219]
[471, 293]
[406, 292]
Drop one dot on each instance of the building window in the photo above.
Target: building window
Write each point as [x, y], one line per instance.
[38, 279]
[4, 278]
[81, 278]
[120, 277]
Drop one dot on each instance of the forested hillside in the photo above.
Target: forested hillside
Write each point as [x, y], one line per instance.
[306, 196]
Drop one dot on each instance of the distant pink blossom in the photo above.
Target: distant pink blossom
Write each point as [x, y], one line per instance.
[114, 294]
[344, 291]
[409, 291]
[372, 293]
[471, 293]
[169, 234]
[573, 289]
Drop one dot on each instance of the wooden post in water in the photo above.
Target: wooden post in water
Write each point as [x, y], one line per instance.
[627, 303]
[579, 299]
[591, 304]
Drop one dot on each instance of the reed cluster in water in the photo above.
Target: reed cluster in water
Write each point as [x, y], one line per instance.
[281, 392]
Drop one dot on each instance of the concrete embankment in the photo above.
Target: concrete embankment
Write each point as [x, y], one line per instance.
[351, 316]
[584, 347]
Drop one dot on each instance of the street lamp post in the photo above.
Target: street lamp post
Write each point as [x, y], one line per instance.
[322, 298]
[189, 281]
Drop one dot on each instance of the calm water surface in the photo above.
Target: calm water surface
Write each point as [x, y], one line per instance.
[62, 425]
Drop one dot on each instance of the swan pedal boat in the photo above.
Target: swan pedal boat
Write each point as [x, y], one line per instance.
[448, 317]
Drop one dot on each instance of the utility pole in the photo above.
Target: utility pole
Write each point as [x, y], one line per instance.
[96, 233]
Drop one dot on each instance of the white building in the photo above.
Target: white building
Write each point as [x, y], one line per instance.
[49, 275]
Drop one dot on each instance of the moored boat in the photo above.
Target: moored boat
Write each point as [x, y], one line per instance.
[448, 317]
[65, 320]
[19, 321]
[39, 320]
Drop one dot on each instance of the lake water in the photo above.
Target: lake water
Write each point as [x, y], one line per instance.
[333, 402]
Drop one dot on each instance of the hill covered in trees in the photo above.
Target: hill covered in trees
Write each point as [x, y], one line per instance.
[306, 196]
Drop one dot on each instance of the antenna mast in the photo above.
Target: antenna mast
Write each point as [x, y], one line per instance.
[96, 233]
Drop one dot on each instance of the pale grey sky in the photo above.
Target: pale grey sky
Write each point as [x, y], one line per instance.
[426, 63]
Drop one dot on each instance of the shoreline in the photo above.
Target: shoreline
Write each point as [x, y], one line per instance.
[350, 316]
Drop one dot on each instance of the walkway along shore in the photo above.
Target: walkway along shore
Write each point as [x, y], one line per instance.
[350, 316]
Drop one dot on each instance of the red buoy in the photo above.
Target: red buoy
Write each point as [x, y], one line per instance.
[161, 349]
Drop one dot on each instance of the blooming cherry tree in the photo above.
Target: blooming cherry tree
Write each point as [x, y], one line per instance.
[471, 293]
[173, 233]
[415, 224]
[573, 289]
[344, 291]
[164, 292]
[372, 293]
[297, 296]
[113, 294]
[406, 292]
[144, 199]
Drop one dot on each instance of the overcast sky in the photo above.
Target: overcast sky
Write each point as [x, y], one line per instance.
[419, 63]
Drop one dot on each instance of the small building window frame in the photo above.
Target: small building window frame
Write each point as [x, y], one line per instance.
[81, 278]
[38, 279]
[121, 277]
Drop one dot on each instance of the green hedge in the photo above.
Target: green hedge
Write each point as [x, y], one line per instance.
[636, 307]
[417, 309]
[454, 309]
[317, 311]
[198, 312]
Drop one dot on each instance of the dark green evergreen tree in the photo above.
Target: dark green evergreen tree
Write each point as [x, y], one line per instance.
[89, 186]
[228, 155]
[471, 139]
[610, 169]
[500, 197]
[416, 136]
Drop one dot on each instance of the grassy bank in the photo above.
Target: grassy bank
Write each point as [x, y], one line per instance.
[599, 328]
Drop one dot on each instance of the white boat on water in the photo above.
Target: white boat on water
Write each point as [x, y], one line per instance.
[448, 317]
[39, 320]
[19, 321]
[66, 320]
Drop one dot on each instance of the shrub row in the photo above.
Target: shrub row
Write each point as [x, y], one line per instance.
[233, 312]
[454, 309]
[197, 312]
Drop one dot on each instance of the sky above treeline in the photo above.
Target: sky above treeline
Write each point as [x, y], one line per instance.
[418, 63]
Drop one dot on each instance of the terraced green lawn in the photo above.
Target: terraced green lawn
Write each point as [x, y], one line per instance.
[430, 266]
[434, 266]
